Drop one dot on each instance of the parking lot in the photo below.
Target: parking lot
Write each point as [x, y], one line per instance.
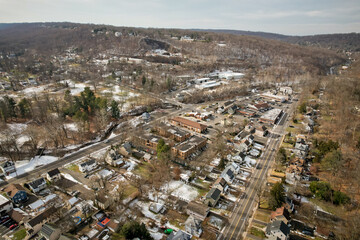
[6, 223]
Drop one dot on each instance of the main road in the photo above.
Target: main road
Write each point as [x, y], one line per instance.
[243, 208]
[82, 153]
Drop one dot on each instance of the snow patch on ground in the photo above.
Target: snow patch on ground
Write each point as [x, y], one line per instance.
[22, 139]
[35, 162]
[17, 128]
[71, 127]
[33, 90]
[181, 190]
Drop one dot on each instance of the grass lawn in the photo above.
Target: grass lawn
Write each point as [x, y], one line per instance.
[74, 167]
[264, 204]
[328, 207]
[262, 217]
[258, 225]
[20, 234]
[257, 232]
[129, 189]
[286, 145]
[143, 170]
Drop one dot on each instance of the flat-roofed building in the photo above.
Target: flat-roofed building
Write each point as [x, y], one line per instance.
[273, 97]
[271, 116]
[171, 132]
[185, 149]
[191, 125]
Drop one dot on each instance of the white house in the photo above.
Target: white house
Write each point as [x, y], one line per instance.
[5, 205]
[88, 165]
[37, 185]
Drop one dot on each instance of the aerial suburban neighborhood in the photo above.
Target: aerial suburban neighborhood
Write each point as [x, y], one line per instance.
[131, 133]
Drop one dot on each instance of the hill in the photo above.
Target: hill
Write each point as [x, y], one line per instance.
[337, 42]
[203, 51]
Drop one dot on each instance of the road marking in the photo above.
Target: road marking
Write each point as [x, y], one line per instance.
[252, 191]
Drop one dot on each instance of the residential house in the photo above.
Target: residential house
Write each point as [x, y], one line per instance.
[191, 125]
[114, 158]
[294, 170]
[7, 167]
[281, 214]
[179, 235]
[5, 205]
[53, 175]
[221, 184]
[289, 205]
[35, 224]
[278, 229]
[302, 147]
[37, 185]
[16, 193]
[193, 226]
[185, 149]
[232, 109]
[102, 200]
[125, 149]
[212, 197]
[88, 166]
[228, 174]
[156, 208]
[171, 132]
[18, 215]
[49, 232]
[198, 210]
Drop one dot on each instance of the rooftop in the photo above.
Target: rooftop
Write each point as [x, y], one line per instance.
[272, 114]
[3, 200]
[189, 123]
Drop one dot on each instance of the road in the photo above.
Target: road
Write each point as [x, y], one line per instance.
[82, 153]
[244, 207]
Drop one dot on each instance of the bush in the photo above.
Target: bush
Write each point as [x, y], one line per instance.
[323, 191]
[340, 198]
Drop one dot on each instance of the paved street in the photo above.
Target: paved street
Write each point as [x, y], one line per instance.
[244, 207]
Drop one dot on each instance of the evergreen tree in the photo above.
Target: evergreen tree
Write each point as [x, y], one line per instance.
[115, 112]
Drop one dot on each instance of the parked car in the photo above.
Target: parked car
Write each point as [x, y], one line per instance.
[5, 219]
[13, 226]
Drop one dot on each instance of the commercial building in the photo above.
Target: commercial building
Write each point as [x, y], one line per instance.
[172, 132]
[185, 149]
[272, 116]
[191, 125]
[206, 85]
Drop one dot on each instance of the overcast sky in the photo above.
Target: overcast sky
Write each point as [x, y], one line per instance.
[291, 17]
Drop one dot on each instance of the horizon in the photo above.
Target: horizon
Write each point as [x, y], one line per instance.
[295, 18]
[188, 29]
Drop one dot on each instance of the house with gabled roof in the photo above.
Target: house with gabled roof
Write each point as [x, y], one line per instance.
[53, 175]
[193, 226]
[281, 214]
[35, 224]
[198, 210]
[16, 193]
[49, 232]
[37, 185]
[277, 229]
[212, 197]
[88, 165]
